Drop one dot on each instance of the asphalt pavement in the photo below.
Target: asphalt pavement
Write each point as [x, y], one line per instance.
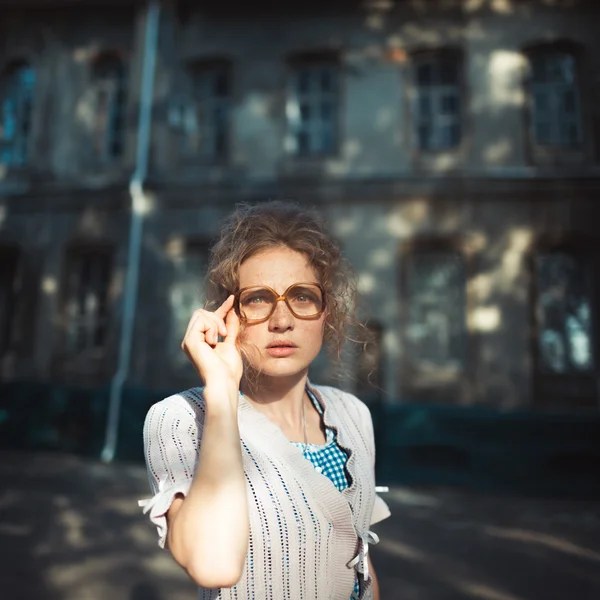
[71, 529]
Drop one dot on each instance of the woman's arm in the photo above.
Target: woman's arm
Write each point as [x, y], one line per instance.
[208, 529]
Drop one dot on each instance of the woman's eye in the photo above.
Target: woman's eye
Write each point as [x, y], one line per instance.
[254, 300]
[303, 297]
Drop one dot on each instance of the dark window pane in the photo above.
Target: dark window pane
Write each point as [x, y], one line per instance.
[560, 68]
[564, 314]
[87, 305]
[303, 81]
[541, 102]
[222, 84]
[315, 95]
[569, 133]
[436, 309]
[16, 104]
[220, 142]
[567, 101]
[450, 136]
[305, 112]
[424, 74]
[425, 136]
[326, 140]
[449, 104]
[448, 73]
[327, 112]
[425, 107]
[207, 129]
[327, 80]
[108, 74]
[543, 132]
[303, 142]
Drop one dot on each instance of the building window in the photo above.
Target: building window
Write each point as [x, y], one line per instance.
[17, 84]
[189, 260]
[435, 280]
[207, 122]
[555, 101]
[564, 313]
[313, 107]
[437, 102]
[9, 258]
[87, 283]
[109, 98]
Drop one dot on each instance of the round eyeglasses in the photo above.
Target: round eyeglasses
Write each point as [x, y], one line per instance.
[257, 303]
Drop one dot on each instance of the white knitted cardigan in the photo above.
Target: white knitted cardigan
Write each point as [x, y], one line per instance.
[306, 537]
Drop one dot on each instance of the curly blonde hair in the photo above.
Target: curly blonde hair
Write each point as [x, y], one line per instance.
[253, 228]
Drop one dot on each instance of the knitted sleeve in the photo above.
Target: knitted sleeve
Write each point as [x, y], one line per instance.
[172, 430]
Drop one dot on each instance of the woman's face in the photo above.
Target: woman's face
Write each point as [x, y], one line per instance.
[283, 345]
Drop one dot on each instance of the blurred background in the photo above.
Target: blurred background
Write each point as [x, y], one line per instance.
[454, 148]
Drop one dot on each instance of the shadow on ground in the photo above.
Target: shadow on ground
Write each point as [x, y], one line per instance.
[70, 529]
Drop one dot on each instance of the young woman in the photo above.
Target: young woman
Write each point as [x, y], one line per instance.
[263, 482]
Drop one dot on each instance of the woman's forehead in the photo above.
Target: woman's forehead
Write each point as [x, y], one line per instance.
[277, 268]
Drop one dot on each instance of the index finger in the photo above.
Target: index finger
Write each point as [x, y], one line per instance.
[223, 310]
[232, 322]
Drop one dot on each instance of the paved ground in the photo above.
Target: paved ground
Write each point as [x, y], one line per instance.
[71, 530]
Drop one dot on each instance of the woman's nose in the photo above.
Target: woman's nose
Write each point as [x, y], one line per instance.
[281, 318]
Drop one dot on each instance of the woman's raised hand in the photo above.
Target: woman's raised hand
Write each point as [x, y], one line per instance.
[218, 363]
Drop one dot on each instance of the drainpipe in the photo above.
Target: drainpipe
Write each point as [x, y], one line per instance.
[138, 208]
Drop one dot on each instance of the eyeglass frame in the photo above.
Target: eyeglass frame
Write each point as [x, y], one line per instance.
[278, 298]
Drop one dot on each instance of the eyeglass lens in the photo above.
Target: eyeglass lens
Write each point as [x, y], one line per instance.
[303, 300]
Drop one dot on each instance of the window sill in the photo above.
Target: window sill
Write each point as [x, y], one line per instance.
[439, 161]
[558, 157]
[332, 166]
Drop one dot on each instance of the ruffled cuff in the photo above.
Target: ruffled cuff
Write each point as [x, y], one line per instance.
[381, 510]
[159, 505]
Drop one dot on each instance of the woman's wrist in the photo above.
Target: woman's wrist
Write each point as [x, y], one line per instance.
[223, 395]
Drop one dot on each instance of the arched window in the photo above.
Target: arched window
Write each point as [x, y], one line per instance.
[108, 80]
[16, 102]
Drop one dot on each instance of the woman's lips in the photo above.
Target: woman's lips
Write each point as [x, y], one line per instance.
[281, 350]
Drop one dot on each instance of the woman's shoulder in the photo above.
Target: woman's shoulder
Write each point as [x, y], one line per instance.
[190, 402]
[336, 398]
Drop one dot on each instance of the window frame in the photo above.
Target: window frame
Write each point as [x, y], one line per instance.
[413, 378]
[545, 382]
[193, 69]
[114, 86]
[77, 359]
[9, 68]
[11, 257]
[313, 59]
[439, 55]
[552, 154]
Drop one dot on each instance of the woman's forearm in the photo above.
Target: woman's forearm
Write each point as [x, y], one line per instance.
[208, 534]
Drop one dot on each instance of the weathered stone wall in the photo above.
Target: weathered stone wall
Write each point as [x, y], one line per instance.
[378, 193]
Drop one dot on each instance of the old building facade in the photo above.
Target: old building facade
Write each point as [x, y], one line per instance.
[454, 148]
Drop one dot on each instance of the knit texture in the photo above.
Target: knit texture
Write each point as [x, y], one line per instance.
[303, 531]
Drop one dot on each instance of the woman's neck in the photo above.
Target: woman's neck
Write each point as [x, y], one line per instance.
[280, 398]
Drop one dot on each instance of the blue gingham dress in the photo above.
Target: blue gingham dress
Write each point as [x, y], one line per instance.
[330, 460]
